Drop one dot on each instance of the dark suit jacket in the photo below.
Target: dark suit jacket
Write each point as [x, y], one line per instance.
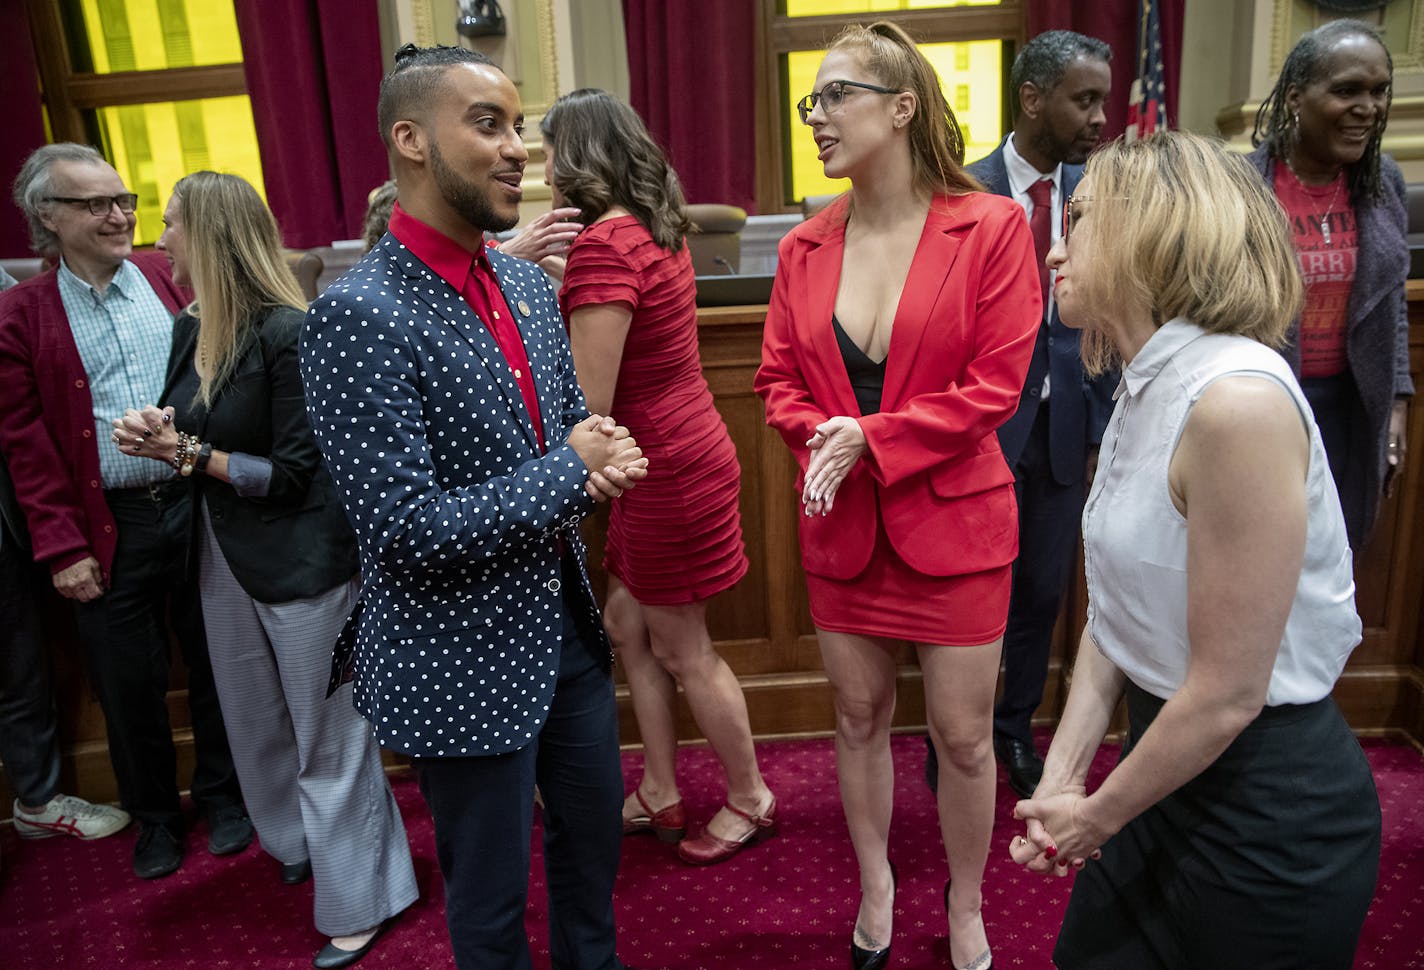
[933, 472]
[294, 542]
[1079, 406]
[461, 520]
[47, 435]
[1376, 319]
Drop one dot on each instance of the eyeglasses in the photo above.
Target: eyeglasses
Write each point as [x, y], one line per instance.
[831, 96]
[1072, 212]
[99, 205]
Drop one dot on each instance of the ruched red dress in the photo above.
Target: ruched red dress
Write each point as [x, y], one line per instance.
[677, 537]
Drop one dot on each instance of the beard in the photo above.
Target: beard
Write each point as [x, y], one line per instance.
[461, 195]
[1067, 151]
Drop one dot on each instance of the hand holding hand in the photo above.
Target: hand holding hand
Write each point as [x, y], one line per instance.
[548, 235]
[1059, 832]
[147, 433]
[608, 451]
[836, 446]
[83, 581]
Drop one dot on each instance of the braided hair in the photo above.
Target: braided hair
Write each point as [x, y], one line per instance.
[1276, 125]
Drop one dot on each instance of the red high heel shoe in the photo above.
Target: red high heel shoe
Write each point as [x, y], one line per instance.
[668, 824]
[708, 849]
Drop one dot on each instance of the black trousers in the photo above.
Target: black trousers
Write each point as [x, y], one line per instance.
[1049, 515]
[29, 744]
[1339, 414]
[1266, 860]
[483, 810]
[124, 635]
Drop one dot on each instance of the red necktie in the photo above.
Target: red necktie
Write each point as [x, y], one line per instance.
[1040, 193]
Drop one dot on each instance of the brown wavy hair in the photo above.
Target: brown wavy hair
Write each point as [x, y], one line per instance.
[936, 142]
[604, 157]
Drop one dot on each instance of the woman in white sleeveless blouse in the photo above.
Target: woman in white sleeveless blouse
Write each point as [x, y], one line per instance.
[1241, 828]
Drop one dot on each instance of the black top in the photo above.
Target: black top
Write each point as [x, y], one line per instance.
[867, 378]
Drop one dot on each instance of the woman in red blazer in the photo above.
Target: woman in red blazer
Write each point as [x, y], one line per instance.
[897, 340]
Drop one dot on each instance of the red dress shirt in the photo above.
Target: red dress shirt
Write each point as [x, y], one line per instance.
[473, 277]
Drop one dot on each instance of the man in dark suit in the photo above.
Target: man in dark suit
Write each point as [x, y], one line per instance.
[1062, 79]
[442, 392]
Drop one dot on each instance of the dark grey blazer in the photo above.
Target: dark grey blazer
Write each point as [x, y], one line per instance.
[1377, 335]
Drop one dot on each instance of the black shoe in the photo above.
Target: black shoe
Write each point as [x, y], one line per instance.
[862, 959]
[332, 956]
[158, 851]
[931, 766]
[296, 873]
[229, 830]
[1023, 763]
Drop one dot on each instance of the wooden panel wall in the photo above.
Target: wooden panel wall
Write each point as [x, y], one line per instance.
[763, 626]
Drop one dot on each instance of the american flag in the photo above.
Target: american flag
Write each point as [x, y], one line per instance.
[1147, 107]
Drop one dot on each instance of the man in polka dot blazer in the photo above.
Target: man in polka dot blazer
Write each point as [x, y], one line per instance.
[442, 391]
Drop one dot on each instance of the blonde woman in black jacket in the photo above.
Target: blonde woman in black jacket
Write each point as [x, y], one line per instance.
[276, 563]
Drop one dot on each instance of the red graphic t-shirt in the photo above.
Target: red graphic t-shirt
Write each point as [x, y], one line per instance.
[1323, 232]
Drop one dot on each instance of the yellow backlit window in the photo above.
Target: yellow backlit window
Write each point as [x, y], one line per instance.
[150, 35]
[974, 91]
[821, 8]
[154, 145]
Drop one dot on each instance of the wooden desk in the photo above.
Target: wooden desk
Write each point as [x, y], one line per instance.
[763, 626]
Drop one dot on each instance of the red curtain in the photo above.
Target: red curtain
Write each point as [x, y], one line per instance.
[23, 130]
[691, 66]
[1115, 21]
[313, 70]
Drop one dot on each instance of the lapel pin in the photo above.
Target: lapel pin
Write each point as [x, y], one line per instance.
[523, 308]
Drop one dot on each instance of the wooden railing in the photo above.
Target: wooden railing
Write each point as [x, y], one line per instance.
[763, 626]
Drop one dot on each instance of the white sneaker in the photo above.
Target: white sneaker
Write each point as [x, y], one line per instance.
[69, 815]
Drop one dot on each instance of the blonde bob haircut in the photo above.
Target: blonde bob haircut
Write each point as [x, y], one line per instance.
[236, 264]
[1183, 228]
[936, 143]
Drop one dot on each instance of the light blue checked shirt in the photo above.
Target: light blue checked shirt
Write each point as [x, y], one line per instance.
[123, 338]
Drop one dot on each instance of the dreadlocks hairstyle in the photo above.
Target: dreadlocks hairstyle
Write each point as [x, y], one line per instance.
[1305, 65]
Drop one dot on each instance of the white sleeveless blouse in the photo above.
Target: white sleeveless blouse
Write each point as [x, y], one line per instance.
[1135, 540]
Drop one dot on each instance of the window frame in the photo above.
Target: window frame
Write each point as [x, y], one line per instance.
[779, 34]
[68, 94]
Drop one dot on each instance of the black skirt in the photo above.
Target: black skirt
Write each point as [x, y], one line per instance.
[1267, 859]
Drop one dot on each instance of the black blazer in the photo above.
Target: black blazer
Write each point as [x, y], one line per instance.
[295, 542]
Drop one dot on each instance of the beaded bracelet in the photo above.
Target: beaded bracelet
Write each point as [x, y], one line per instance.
[186, 454]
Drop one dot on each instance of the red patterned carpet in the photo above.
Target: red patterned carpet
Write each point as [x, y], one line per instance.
[786, 904]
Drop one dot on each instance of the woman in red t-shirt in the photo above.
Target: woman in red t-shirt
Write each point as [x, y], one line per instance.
[676, 541]
[1319, 135]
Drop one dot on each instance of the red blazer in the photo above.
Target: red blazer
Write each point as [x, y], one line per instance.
[959, 351]
[47, 434]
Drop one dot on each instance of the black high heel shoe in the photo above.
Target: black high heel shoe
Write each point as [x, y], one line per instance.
[862, 959]
[985, 960]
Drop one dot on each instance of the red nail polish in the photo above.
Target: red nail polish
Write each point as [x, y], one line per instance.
[1050, 852]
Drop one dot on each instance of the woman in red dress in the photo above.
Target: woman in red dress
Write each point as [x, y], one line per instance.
[675, 541]
[897, 341]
